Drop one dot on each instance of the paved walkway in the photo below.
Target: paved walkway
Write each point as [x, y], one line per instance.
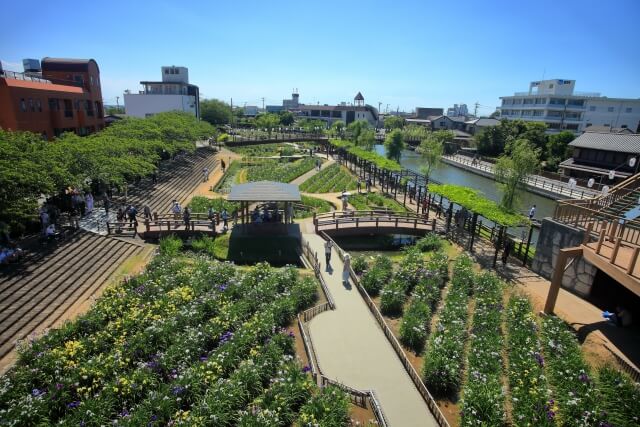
[352, 349]
[536, 183]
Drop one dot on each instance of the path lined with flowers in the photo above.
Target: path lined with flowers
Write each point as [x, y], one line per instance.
[352, 349]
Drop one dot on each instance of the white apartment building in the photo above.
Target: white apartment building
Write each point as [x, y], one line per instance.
[173, 93]
[556, 103]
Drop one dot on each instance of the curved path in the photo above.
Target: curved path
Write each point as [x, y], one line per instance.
[352, 349]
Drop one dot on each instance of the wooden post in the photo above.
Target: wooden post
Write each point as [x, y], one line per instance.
[634, 259]
[614, 254]
[612, 231]
[600, 240]
[587, 234]
[315, 222]
[526, 252]
[498, 245]
[558, 273]
[474, 221]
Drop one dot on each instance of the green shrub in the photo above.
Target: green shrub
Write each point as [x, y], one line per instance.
[170, 245]
[375, 277]
[359, 264]
[393, 297]
[430, 242]
[223, 137]
[200, 204]
[414, 326]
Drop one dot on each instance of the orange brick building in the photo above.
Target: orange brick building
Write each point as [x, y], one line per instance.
[64, 95]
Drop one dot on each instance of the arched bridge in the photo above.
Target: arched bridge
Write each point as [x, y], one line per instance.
[372, 222]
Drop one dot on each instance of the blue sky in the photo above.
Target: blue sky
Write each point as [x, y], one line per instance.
[401, 53]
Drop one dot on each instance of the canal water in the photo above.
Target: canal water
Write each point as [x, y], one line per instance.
[489, 188]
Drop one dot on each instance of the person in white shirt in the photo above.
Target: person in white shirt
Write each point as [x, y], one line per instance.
[532, 212]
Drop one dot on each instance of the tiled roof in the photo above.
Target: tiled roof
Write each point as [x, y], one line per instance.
[264, 191]
[359, 97]
[607, 129]
[622, 143]
[42, 86]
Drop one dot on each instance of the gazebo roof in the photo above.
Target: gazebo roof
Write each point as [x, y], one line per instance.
[359, 97]
[264, 191]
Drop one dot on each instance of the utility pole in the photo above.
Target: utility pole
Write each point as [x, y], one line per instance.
[475, 109]
[231, 118]
[118, 104]
[262, 103]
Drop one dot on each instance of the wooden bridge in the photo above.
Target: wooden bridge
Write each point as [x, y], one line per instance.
[166, 224]
[373, 222]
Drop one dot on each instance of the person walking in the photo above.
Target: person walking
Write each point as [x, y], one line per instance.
[147, 212]
[345, 200]
[222, 165]
[508, 245]
[359, 185]
[318, 164]
[532, 212]
[177, 211]
[205, 174]
[89, 201]
[345, 270]
[44, 220]
[132, 212]
[154, 177]
[107, 204]
[327, 252]
[186, 216]
[369, 185]
[225, 220]
[211, 214]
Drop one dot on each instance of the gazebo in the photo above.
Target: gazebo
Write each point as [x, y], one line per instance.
[265, 191]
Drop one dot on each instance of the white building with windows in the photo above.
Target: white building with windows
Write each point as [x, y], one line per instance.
[173, 93]
[556, 103]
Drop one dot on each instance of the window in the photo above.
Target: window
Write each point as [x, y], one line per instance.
[78, 79]
[551, 86]
[23, 105]
[541, 100]
[628, 110]
[68, 108]
[610, 109]
[77, 102]
[89, 107]
[166, 71]
[53, 104]
[592, 108]
[32, 106]
[39, 105]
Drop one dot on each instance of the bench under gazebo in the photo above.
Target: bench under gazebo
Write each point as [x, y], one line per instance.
[267, 217]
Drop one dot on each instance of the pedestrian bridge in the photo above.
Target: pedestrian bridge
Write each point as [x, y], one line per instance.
[348, 223]
[165, 224]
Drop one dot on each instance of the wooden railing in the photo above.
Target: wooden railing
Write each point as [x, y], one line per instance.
[123, 228]
[364, 399]
[372, 218]
[417, 381]
[175, 222]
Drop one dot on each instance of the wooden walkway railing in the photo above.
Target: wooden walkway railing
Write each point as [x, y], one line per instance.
[378, 219]
[415, 377]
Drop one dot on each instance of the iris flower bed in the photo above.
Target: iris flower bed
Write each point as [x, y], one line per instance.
[394, 293]
[483, 401]
[190, 341]
[281, 171]
[569, 376]
[414, 327]
[619, 398]
[530, 399]
[379, 273]
[444, 362]
[330, 180]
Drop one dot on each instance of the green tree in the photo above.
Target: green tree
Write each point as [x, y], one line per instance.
[394, 144]
[215, 111]
[512, 170]
[354, 129]
[286, 118]
[493, 140]
[558, 149]
[268, 121]
[366, 139]
[431, 149]
[393, 122]
[337, 129]
[414, 131]
[310, 125]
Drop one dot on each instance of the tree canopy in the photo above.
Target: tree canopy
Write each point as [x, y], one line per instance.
[393, 122]
[394, 144]
[31, 168]
[493, 140]
[286, 118]
[268, 121]
[558, 149]
[512, 169]
[431, 149]
[215, 111]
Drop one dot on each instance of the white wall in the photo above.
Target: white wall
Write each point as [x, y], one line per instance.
[141, 105]
[616, 118]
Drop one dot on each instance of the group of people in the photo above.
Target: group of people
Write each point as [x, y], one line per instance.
[9, 250]
[269, 214]
[367, 183]
[346, 260]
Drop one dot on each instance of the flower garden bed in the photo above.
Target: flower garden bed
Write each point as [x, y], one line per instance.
[332, 179]
[369, 201]
[190, 341]
[281, 171]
